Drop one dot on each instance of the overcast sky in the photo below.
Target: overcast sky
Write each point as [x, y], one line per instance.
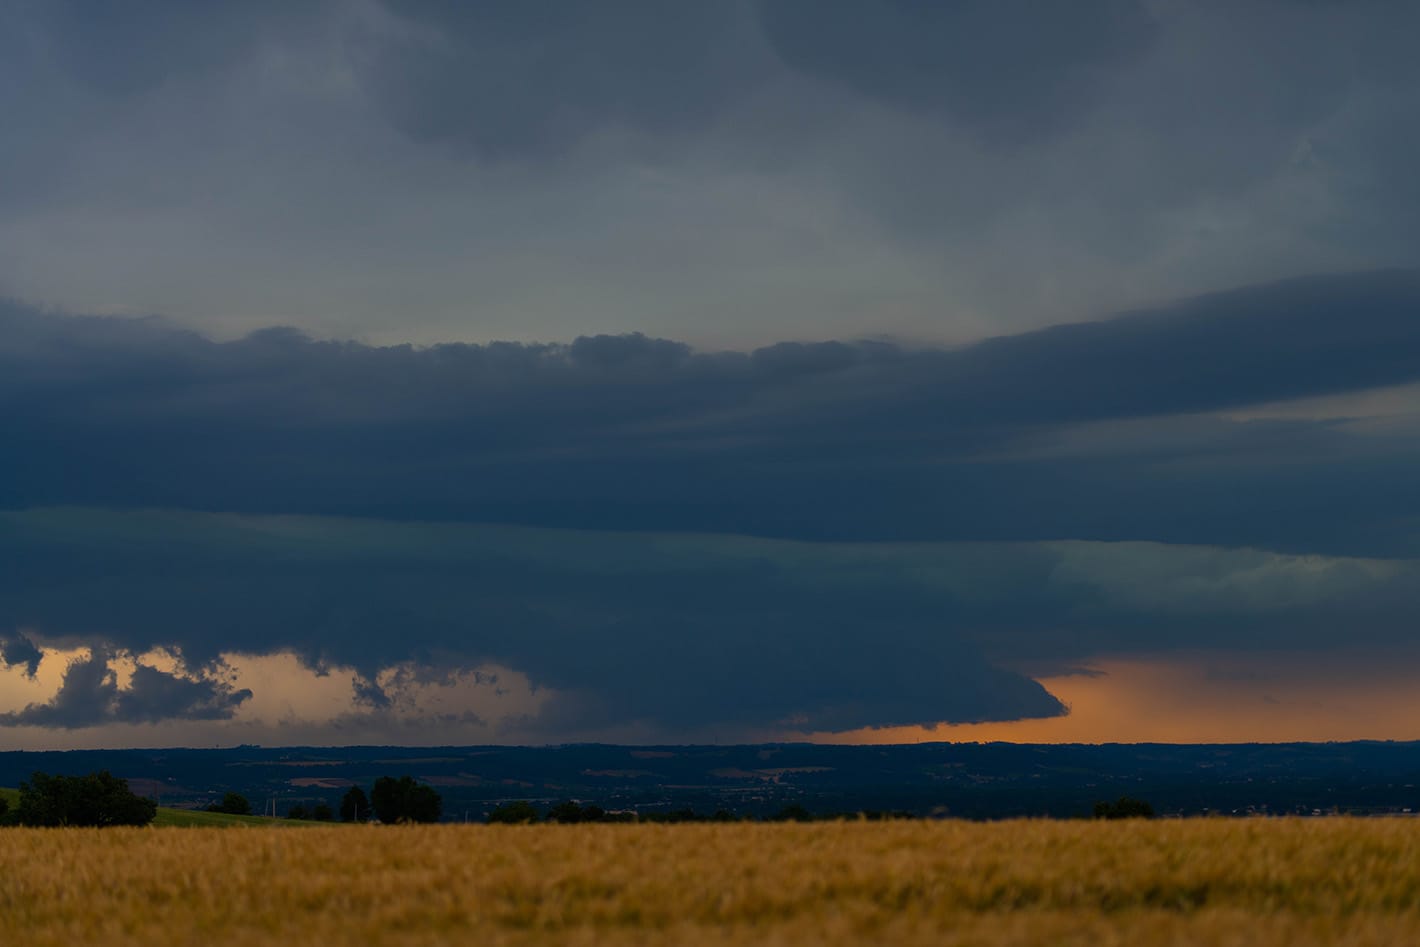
[481, 372]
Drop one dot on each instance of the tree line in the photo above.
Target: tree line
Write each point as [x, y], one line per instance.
[522, 812]
[390, 801]
[98, 799]
[101, 799]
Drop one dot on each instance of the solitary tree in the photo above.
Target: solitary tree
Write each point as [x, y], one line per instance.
[404, 800]
[233, 803]
[354, 805]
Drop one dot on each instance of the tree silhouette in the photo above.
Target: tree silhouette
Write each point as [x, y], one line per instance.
[1125, 807]
[98, 799]
[233, 803]
[354, 805]
[404, 800]
[569, 812]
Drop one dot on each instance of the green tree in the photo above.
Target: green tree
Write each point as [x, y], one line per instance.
[354, 805]
[232, 803]
[98, 799]
[1125, 807]
[404, 800]
[322, 812]
[514, 813]
[298, 811]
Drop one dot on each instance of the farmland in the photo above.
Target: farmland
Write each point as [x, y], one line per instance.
[1254, 881]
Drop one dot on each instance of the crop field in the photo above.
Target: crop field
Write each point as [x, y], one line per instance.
[1244, 882]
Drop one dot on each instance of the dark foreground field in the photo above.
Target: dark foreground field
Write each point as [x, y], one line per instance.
[1246, 882]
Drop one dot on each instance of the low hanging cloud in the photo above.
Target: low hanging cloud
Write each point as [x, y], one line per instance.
[673, 634]
[18, 648]
[679, 635]
[90, 696]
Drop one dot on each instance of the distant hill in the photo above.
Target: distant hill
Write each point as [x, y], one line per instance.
[979, 781]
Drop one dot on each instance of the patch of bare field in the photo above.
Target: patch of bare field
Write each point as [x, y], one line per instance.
[1245, 882]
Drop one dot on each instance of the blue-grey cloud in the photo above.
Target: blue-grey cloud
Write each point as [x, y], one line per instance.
[510, 79]
[1018, 69]
[135, 49]
[730, 173]
[90, 696]
[18, 648]
[678, 634]
[829, 440]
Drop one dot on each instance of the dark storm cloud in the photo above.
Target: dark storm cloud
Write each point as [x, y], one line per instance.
[732, 172]
[830, 440]
[90, 696]
[153, 695]
[17, 648]
[677, 634]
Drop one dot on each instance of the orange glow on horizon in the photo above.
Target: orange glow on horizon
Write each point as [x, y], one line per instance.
[1201, 699]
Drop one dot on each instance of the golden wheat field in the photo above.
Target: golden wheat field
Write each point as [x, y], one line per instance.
[1245, 882]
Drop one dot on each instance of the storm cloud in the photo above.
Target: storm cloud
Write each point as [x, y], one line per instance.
[707, 369]
[17, 648]
[679, 634]
[1007, 439]
[90, 696]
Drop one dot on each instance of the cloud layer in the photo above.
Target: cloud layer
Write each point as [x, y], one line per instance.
[732, 174]
[653, 501]
[678, 635]
[1113, 430]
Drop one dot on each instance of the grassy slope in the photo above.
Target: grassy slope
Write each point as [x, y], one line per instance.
[192, 818]
[199, 818]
